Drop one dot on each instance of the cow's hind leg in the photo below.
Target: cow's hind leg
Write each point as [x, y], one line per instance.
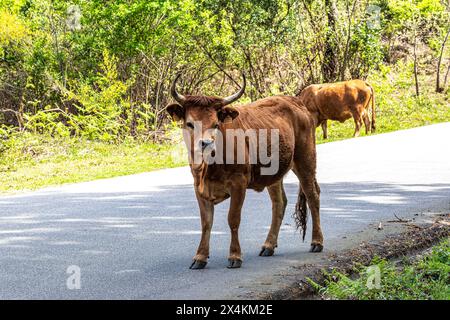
[305, 169]
[206, 214]
[367, 123]
[279, 203]
[358, 123]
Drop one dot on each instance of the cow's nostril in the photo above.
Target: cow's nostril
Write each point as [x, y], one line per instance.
[205, 143]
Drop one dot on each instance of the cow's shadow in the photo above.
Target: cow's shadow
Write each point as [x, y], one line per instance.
[135, 235]
[172, 210]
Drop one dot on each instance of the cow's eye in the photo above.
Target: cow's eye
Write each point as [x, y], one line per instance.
[190, 125]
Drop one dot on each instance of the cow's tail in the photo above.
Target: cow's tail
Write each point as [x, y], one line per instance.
[301, 213]
[372, 97]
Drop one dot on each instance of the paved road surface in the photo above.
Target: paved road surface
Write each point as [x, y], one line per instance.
[134, 236]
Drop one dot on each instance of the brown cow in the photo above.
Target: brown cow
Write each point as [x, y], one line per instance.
[215, 182]
[340, 101]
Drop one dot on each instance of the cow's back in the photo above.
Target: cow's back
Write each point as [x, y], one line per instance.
[289, 116]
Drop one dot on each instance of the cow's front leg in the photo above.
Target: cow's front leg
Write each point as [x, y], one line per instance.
[234, 219]
[206, 216]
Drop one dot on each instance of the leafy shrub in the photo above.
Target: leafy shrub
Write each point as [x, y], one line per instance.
[47, 121]
[429, 278]
[366, 48]
[103, 110]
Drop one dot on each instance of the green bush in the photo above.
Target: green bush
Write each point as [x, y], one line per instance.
[103, 108]
[47, 122]
[428, 278]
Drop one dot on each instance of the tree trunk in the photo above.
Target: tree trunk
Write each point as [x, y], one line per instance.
[330, 64]
[446, 77]
[415, 63]
[349, 36]
[438, 73]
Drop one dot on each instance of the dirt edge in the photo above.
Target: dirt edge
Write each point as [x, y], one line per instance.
[393, 246]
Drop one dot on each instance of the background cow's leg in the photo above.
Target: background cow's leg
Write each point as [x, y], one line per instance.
[358, 123]
[325, 129]
[367, 122]
[305, 169]
[279, 203]
[206, 216]
[234, 220]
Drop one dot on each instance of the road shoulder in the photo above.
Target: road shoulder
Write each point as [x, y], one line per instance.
[396, 239]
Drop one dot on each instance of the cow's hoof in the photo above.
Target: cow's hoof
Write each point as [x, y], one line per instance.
[233, 264]
[266, 252]
[197, 264]
[316, 248]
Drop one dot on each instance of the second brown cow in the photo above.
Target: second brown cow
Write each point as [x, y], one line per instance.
[341, 101]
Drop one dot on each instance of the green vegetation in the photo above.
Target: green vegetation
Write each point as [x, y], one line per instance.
[427, 278]
[32, 161]
[84, 84]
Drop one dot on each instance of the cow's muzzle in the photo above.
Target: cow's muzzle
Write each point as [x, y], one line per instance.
[205, 143]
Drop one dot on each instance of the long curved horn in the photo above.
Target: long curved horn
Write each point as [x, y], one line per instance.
[173, 90]
[237, 95]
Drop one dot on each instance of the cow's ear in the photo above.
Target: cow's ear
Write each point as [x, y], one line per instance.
[227, 114]
[176, 111]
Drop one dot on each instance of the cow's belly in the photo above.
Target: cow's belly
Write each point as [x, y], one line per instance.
[341, 117]
[260, 181]
[336, 114]
[217, 191]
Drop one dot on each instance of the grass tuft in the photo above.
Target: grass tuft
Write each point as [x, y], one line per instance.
[427, 278]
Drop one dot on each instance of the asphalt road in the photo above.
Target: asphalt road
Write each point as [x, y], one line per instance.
[133, 237]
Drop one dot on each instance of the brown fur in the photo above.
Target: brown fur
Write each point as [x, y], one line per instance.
[216, 182]
[340, 101]
[203, 101]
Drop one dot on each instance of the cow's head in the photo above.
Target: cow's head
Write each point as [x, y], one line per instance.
[203, 115]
